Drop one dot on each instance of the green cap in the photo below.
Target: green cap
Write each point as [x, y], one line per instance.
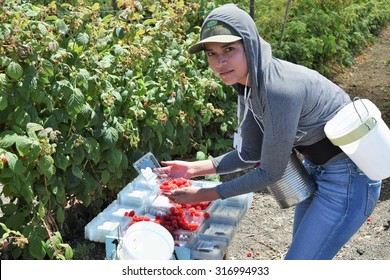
[215, 31]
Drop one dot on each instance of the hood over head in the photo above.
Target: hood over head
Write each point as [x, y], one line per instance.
[236, 24]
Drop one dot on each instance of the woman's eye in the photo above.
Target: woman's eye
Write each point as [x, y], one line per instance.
[209, 53]
[228, 49]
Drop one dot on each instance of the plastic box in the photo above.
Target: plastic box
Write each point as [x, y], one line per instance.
[221, 229]
[206, 248]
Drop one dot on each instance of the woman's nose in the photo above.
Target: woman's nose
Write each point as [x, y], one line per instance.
[221, 60]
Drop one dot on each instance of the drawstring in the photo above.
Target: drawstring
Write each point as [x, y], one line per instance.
[247, 104]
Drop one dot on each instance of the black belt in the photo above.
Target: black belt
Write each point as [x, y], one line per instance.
[320, 152]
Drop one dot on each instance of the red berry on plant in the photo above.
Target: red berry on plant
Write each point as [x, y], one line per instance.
[4, 159]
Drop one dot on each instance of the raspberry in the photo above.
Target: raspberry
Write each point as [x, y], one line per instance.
[4, 159]
[206, 215]
[249, 254]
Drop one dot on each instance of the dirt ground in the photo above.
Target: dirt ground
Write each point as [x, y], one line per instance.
[265, 232]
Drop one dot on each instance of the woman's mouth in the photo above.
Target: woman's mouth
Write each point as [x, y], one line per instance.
[225, 73]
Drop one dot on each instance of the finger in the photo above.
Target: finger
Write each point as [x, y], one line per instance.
[167, 163]
[162, 172]
[166, 193]
[162, 176]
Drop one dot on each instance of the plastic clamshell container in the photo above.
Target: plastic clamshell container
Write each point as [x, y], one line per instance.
[134, 198]
[181, 236]
[224, 209]
[160, 206]
[101, 226]
[140, 183]
[241, 200]
[218, 229]
[206, 248]
[118, 210]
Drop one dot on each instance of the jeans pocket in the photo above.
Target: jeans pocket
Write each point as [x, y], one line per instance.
[373, 193]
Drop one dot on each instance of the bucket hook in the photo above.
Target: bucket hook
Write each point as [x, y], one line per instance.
[355, 99]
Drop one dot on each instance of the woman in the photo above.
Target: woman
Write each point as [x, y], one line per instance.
[283, 108]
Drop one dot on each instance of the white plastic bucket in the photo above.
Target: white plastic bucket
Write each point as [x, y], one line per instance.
[360, 132]
[146, 241]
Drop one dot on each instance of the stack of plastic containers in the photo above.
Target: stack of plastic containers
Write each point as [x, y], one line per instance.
[202, 237]
[113, 221]
[214, 235]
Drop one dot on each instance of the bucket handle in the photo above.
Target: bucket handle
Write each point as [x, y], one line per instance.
[355, 99]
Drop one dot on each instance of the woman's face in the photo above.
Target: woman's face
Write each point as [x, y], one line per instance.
[228, 62]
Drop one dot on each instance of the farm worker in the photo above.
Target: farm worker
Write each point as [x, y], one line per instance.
[282, 108]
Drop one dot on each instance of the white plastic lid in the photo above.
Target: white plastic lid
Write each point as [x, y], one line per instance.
[147, 241]
[352, 122]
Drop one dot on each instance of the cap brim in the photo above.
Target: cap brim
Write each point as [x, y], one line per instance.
[213, 39]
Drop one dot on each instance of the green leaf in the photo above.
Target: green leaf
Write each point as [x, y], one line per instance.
[31, 13]
[62, 27]
[32, 128]
[114, 159]
[41, 210]
[59, 191]
[82, 39]
[60, 215]
[68, 252]
[106, 62]
[16, 220]
[119, 32]
[90, 182]
[75, 102]
[79, 155]
[111, 135]
[3, 102]
[46, 166]
[25, 145]
[36, 247]
[26, 189]
[21, 117]
[61, 161]
[9, 209]
[105, 176]
[42, 28]
[76, 171]
[47, 67]
[92, 148]
[83, 77]
[95, 7]
[14, 70]
[30, 82]
[15, 164]
[8, 138]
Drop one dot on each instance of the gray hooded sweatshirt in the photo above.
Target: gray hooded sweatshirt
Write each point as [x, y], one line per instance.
[292, 104]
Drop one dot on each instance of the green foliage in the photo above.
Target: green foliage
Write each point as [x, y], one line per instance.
[87, 87]
[326, 34]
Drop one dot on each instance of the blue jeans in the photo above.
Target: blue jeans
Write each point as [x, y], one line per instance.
[323, 223]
